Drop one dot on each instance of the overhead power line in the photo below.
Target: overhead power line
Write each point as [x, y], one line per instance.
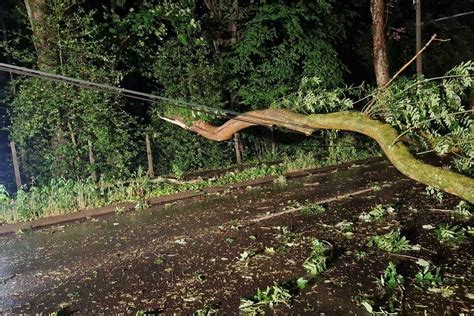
[140, 95]
[449, 17]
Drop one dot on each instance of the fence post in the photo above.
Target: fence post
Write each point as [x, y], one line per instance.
[149, 154]
[91, 158]
[238, 148]
[16, 165]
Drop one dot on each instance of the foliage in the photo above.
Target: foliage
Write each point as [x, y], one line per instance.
[377, 212]
[313, 208]
[391, 242]
[450, 234]
[313, 96]
[280, 45]
[271, 297]
[316, 262]
[345, 228]
[428, 276]
[434, 113]
[285, 237]
[4, 196]
[188, 54]
[392, 284]
[390, 279]
[435, 193]
[181, 151]
[67, 195]
[283, 54]
[463, 210]
[301, 283]
[51, 122]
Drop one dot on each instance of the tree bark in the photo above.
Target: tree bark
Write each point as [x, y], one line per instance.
[384, 134]
[37, 13]
[377, 8]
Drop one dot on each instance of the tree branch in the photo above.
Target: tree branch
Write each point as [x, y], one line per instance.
[384, 134]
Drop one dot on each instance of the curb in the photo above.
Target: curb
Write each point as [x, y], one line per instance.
[182, 196]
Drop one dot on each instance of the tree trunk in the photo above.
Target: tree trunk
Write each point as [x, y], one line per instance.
[377, 8]
[385, 135]
[37, 13]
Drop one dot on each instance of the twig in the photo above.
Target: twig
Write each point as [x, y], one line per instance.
[372, 102]
[441, 210]
[405, 256]
[337, 198]
[410, 61]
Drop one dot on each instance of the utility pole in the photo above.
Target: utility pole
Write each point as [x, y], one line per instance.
[149, 155]
[92, 158]
[419, 64]
[16, 166]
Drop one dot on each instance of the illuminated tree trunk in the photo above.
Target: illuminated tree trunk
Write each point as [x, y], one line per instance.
[377, 8]
[384, 134]
[37, 13]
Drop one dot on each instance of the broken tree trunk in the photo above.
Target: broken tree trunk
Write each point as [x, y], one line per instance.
[384, 134]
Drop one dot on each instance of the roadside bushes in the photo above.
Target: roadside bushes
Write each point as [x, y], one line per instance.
[61, 196]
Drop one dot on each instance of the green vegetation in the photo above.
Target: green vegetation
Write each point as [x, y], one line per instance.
[270, 297]
[346, 228]
[65, 196]
[313, 208]
[435, 193]
[377, 212]
[159, 260]
[316, 262]
[391, 242]
[254, 56]
[301, 283]
[208, 311]
[450, 234]
[428, 276]
[390, 299]
[463, 210]
[392, 284]
[285, 237]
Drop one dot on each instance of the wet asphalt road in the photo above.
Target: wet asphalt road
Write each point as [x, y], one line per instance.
[150, 259]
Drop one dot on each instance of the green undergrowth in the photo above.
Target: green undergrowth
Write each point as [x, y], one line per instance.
[66, 196]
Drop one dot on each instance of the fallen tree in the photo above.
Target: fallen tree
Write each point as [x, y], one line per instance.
[384, 134]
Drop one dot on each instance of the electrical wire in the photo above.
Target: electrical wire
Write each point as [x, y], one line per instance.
[142, 96]
[448, 17]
